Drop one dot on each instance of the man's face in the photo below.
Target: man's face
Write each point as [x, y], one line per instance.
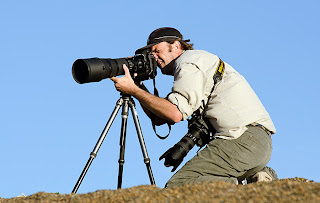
[164, 54]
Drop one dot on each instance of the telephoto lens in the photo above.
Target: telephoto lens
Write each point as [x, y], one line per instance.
[96, 69]
[143, 65]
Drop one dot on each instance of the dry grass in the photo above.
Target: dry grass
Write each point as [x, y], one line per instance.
[285, 190]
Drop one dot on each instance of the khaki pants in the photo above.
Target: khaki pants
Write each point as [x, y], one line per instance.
[227, 160]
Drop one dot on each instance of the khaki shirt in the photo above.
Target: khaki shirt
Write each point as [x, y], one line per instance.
[233, 104]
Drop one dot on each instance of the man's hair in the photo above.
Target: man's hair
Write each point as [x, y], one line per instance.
[184, 44]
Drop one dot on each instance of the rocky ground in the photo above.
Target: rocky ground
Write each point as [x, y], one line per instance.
[285, 190]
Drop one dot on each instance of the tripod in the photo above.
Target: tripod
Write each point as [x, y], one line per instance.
[125, 101]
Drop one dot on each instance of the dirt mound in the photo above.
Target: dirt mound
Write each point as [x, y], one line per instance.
[285, 190]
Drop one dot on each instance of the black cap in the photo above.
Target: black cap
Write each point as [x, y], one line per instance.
[164, 34]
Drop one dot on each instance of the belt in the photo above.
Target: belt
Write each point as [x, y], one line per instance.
[262, 127]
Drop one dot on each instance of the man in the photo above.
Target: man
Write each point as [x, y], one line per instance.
[242, 146]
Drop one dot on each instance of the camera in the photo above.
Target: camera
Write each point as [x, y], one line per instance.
[200, 133]
[143, 65]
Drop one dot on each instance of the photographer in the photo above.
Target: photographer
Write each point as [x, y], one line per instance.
[242, 143]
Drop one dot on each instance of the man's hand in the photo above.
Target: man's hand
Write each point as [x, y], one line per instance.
[125, 84]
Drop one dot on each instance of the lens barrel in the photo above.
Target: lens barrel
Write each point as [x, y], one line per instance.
[185, 145]
[96, 69]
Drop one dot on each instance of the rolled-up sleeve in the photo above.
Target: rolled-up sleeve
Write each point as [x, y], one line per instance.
[188, 89]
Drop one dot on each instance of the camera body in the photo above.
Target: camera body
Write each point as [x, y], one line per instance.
[200, 133]
[143, 65]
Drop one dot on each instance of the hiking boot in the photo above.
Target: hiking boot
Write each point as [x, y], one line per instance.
[267, 174]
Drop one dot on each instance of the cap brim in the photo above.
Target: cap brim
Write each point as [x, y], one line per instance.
[146, 47]
[157, 41]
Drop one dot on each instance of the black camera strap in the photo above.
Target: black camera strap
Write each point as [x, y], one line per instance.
[152, 115]
[217, 77]
[156, 93]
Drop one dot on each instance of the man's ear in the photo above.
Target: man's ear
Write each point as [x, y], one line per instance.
[177, 46]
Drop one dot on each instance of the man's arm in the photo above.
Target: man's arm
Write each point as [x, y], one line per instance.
[159, 106]
[155, 119]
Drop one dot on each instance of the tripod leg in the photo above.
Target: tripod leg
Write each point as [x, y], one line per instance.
[141, 140]
[125, 113]
[93, 154]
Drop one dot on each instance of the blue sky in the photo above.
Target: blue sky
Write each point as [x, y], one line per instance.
[49, 124]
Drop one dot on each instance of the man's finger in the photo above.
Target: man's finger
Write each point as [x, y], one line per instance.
[114, 79]
[126, 69]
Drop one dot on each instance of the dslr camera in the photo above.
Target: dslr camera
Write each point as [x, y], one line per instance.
[143, 65]
[200, 133]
